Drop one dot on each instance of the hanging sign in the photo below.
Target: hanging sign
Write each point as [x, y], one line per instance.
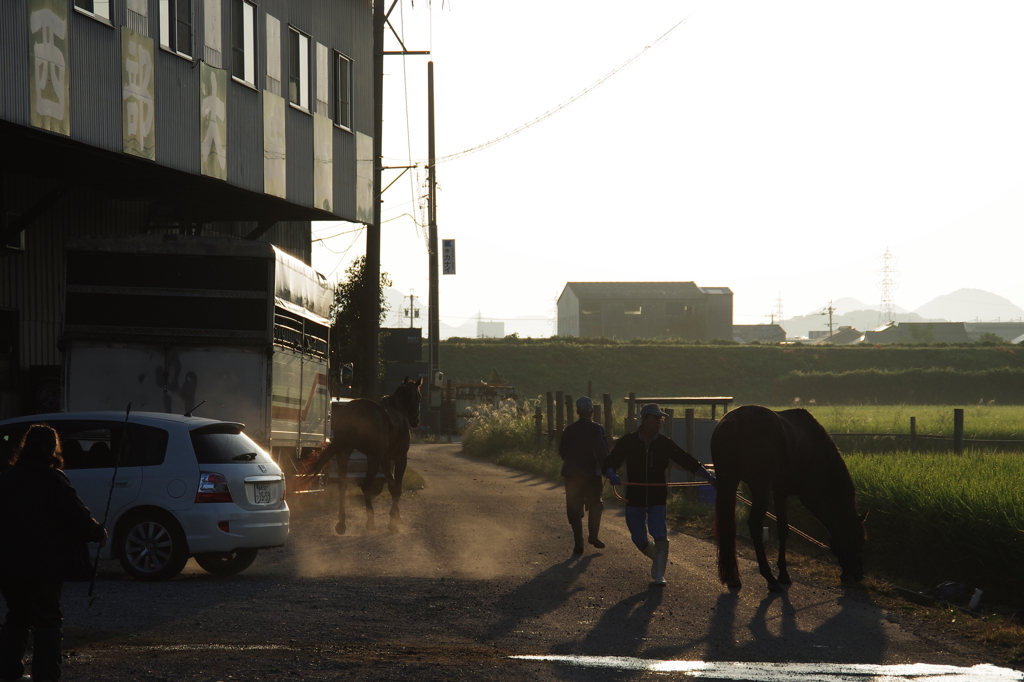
[448, 256]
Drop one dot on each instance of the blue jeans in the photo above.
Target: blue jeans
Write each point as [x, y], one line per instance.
[640, 519]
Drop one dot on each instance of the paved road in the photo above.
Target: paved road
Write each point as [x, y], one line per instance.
[479, 582]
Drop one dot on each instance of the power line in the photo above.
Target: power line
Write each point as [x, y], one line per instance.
[551, 112]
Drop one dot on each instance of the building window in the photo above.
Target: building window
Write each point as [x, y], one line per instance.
[243, 41]
[676, 309]
[176, 26]
[97, 8]
[342, 91]
[298, 69]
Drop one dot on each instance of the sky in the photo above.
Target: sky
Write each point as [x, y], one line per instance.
[780, 149]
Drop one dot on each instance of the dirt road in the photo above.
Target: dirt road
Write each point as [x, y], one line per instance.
[481, 571]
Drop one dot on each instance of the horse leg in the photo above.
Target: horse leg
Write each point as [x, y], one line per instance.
[725, 531]
[342, 462]
[758, 509]
[395, 488]
[782, 529]
[373, 465]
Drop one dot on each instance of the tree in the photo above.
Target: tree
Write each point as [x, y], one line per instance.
[349, 327]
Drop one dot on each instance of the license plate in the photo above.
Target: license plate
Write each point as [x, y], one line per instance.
[261, 494]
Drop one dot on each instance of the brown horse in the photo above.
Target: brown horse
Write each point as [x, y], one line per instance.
[782, 453]
[381, 432]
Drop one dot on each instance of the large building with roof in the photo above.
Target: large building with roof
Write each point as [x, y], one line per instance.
[643, 310]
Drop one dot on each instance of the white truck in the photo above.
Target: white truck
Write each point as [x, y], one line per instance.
[230, 329]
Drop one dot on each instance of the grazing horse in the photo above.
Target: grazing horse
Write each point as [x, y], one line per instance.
[782, 453]
[381, 432]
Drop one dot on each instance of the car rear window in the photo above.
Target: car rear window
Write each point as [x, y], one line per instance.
[223, 444]
[96, 444]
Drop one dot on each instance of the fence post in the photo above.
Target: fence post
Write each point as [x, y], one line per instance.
[631, 413]
[597, 414]
[608, 419]
[570, 410]
[551, 416]
[559, 415]
[691, 428]
[958, 431]
[913, 435]
[538, 421]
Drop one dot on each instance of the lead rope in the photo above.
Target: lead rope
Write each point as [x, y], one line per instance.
[771, 516]
[110, 495]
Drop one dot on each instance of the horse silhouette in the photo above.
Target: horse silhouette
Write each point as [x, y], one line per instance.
[381, 432]
[782, 454]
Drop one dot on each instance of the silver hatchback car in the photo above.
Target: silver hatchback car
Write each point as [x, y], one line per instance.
[169, 487]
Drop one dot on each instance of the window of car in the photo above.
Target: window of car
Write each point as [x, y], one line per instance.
[96, 444]
[224, 444]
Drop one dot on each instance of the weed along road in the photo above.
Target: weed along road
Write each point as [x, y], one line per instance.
[480, 584]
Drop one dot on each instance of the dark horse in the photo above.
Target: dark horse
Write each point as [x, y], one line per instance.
[381, 432]
[782, 453]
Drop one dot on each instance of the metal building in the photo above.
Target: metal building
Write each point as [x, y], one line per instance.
[635, 310]
[244, 118]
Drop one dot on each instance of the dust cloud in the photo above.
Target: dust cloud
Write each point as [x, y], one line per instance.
[477, 529]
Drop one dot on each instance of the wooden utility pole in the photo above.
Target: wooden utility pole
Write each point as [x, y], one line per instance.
[370, 382]
[828, 311]
[435, 318]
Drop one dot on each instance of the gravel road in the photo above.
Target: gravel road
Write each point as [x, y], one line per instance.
[482, 570]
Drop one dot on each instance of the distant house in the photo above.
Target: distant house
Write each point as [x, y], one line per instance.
[919, 332]
[1008, 331]
[844, 336]
[758, 333]
[641, 310]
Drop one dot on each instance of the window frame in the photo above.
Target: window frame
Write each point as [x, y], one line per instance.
[298, 68]
[342, 104]
[170, 40]
[102, 18]
[248, 51]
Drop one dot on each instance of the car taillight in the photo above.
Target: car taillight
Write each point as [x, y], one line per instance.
[213, 488]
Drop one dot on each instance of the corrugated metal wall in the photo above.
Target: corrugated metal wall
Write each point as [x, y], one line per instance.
[14, 58]
[95, 72]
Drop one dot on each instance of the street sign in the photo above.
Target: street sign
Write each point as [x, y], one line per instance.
[448, 256]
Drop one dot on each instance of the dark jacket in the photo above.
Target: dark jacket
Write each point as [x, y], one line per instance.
[41, 520]
[582, 448]
[647, 465]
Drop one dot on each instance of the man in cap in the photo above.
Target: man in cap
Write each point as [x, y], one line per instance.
[647, 453]
[582, 449]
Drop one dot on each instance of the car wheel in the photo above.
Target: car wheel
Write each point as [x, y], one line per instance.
[227, 563]
[153, 547]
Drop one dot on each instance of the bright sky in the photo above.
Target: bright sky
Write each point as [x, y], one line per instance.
[776, 148]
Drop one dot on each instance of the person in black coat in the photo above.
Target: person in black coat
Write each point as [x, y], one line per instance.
[42, 521]
[582, 448]
[647, 453]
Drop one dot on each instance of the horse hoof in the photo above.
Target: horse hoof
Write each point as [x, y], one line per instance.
[784, 579]
[775, 587]
[734, 584]
[340, 529]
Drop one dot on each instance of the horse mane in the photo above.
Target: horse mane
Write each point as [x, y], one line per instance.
[821, 444]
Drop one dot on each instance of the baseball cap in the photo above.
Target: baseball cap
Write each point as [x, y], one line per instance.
[584, 404]
[651, 408]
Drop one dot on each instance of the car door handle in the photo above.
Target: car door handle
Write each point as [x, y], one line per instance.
[123, 483]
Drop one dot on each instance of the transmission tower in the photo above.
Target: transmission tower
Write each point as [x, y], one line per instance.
[778, 309]
[887, 311]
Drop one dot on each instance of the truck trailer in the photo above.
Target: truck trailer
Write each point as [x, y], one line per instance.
[230, 329]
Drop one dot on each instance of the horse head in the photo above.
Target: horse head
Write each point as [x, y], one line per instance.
[407, 397]
[848, 546]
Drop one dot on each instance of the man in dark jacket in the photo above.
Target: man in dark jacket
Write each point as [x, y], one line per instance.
[582, 448]
[647, 453]
[42, 520]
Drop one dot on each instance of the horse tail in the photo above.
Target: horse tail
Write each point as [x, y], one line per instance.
[725, 532]
[313, 466]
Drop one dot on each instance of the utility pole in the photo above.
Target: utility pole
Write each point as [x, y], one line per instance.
[433, 390]
[828, 311]
[370, 383]
[412, 311]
